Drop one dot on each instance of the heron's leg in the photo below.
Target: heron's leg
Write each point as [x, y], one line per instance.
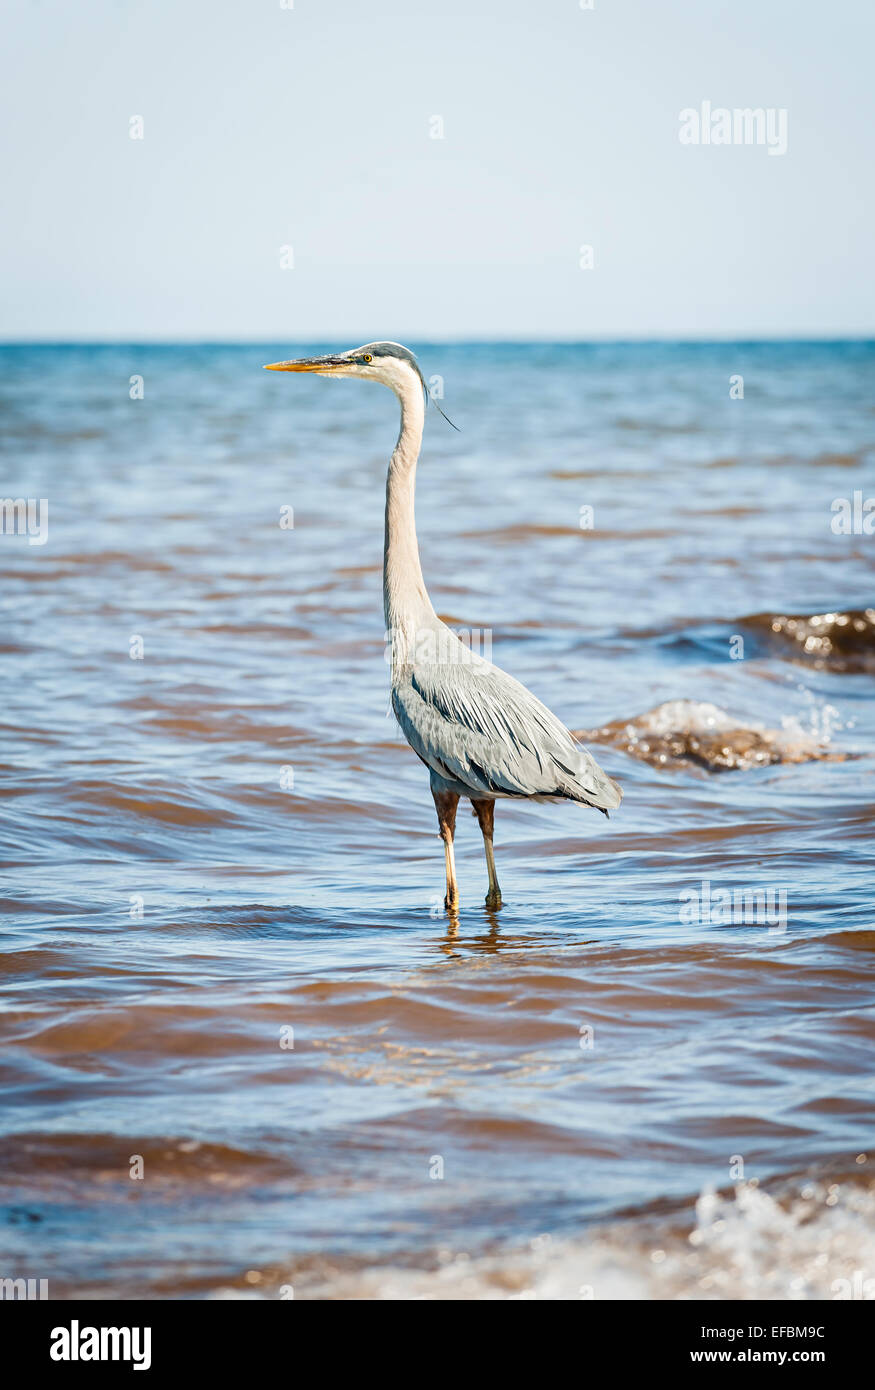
[485, 813]
[445, 805]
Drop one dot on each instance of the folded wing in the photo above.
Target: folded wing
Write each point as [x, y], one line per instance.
[474, 724]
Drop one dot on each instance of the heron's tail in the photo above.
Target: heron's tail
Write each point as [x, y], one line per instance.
[595, 787]
[607, 798]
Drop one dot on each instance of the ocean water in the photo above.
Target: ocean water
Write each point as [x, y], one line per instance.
[245, 1050]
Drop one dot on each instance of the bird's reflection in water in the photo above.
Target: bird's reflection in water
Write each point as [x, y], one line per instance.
[462, 938]
[486, 944]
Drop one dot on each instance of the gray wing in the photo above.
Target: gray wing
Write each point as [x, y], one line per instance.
[474, 724]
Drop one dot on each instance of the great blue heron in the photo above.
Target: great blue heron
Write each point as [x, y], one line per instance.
[481, 734]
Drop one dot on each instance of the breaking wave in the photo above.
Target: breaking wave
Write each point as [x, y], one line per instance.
[679, 733]
[843, 642]
[807, 1239]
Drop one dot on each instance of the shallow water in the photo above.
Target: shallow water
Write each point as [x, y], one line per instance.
[228, 839]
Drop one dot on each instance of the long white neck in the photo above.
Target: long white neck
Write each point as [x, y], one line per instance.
[405, 601]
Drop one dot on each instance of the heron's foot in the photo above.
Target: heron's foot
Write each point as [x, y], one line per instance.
[452, 904]
[493, 899]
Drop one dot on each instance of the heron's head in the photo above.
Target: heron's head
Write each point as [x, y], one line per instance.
[391, 364]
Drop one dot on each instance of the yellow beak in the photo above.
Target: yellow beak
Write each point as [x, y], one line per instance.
[308, 364]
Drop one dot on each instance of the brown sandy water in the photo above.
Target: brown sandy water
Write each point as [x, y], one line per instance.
[226, 963]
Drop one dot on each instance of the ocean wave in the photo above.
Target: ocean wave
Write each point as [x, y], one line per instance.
[843, 642]
[807, 1239]
[680, 733]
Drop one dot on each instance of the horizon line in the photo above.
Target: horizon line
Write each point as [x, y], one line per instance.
[598, 340]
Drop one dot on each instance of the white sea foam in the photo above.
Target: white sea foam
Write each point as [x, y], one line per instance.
[814, 1241]
[697, 732]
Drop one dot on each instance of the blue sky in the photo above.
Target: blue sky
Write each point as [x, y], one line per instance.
[311, 127]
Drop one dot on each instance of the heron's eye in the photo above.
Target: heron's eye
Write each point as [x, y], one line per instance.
[367, 357]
